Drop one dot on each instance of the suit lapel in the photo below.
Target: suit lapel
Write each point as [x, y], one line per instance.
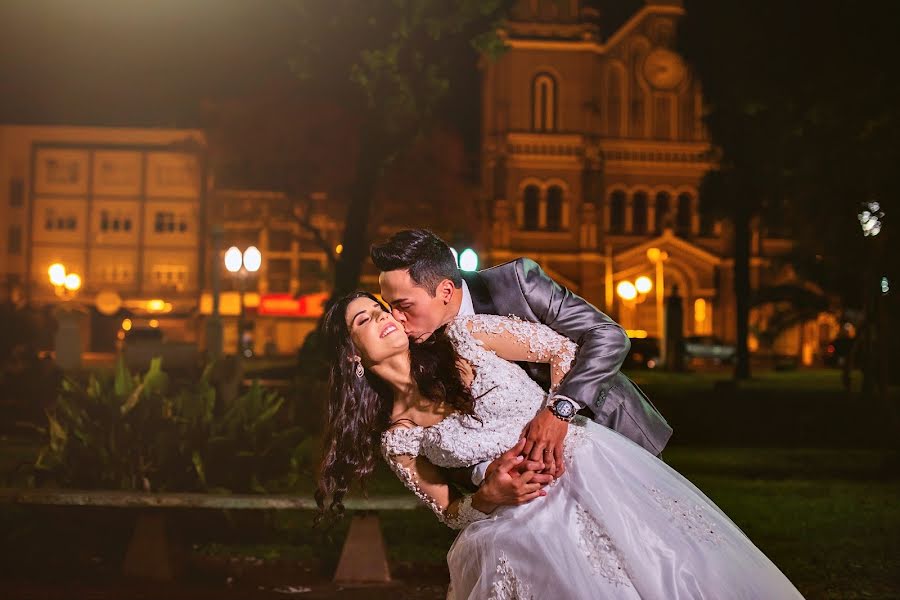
[481, 297]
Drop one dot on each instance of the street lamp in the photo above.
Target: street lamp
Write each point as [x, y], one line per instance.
[467, 260]
[240, 263]
[870, 218]
[633, 294]
[875, 356]
[67, 341]
[57, 274]
[658, 257]
[65, 284]
[643, 284]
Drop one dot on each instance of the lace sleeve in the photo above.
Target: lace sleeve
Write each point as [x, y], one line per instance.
[511, 338]
[426, 482]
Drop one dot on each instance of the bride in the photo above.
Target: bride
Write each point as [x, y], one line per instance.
[618, 524]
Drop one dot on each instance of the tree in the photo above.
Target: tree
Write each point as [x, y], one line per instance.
[390, 63]
[275, 138]
[802, 103]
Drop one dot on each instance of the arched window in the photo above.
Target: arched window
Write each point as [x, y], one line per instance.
[614, 104]
[532, 203]
[663, 201]
[554, 208]
[543, 103]
[617, 212]
[683, 217]
[639, 213]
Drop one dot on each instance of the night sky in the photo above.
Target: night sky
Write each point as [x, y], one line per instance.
[114, 62]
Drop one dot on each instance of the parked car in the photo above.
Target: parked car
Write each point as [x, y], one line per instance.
[644, 354]
[708, 348]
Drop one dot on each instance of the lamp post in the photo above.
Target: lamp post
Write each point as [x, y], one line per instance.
[633, 294]
[67, 341]
[65, 284]
[658, 257]
[240, 264]
[875, 352]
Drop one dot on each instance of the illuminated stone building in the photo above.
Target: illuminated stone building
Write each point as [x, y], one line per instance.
[593, 150]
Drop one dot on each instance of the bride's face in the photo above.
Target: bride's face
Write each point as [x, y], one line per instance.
[375, 333]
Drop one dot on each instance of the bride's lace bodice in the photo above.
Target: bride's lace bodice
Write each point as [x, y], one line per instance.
[506, 398]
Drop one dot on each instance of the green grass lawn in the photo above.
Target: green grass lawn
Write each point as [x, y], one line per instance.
[797, 463]
[828, 518]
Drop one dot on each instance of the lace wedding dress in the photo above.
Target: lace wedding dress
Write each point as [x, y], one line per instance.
[618, 524]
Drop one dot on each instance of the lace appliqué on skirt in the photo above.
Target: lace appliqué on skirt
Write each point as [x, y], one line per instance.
[690, 519]
[599, 549]
[508, 586]
[577, 436]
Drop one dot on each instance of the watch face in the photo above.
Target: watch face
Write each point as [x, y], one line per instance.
[564, 408]
[664, 69]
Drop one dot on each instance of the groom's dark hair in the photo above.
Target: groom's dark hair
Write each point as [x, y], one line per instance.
[427, 257]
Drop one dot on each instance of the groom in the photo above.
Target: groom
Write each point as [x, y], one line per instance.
[426, 290]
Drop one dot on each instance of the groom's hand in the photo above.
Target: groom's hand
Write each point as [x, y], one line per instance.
[516, 468]
[544, 439]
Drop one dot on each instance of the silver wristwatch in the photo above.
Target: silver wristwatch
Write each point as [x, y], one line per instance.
[562, 408]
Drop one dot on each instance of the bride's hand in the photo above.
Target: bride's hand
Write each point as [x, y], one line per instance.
[506, 485]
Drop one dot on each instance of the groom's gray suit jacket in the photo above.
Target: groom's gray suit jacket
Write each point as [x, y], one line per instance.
[521, 288]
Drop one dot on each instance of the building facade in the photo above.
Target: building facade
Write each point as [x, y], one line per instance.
[593, 150]
[122, 208]
[285, 298]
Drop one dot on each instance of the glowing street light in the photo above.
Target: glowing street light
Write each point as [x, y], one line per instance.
[233, 259]
[240, 263]
[468, 260]
[252, 259]
[62, 281]
[57, 273]
[643, 284]
[626, 291]
[870, 219]
[72, 282]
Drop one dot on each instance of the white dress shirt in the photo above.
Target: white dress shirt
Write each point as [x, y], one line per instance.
[466, 309]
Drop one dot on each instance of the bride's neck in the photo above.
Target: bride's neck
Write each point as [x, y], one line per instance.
[396, 372]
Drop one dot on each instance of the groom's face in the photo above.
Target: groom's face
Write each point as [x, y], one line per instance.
[418, 311]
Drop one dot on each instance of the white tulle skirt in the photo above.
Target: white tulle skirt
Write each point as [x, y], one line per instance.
[619, 523]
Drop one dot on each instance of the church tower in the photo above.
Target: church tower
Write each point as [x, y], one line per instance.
[593, 151]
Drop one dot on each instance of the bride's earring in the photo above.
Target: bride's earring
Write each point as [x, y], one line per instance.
[359, 369]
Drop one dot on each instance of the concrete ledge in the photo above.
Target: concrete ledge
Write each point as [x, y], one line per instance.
[129, 499]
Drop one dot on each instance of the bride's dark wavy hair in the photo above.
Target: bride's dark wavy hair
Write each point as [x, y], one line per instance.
[359, 408]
